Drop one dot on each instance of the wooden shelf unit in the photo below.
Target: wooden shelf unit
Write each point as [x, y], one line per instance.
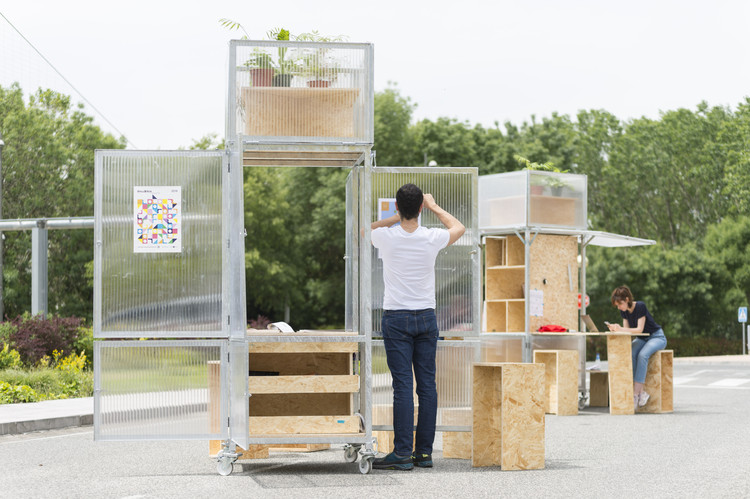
[553, 269]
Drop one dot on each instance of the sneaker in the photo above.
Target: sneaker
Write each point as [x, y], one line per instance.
[393, 462]
[635, 402]
[643, 399]
[422, 460]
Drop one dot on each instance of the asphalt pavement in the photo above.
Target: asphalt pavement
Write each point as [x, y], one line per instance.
[701, 449]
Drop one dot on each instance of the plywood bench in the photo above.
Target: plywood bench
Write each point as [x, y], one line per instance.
[508, 415]
[659, 383]
[560, 380]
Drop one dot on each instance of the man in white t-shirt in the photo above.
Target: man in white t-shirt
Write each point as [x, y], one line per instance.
[409, 325]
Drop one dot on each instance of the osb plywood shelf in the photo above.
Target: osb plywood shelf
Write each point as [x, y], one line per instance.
[303, 425]
[299, 112]
[303, 384]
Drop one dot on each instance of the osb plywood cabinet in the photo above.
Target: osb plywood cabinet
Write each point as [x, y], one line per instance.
[300, 388]
[553, 281]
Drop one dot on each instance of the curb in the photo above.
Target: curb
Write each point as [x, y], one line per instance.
[18, 427]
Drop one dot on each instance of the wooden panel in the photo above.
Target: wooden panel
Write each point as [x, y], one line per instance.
[486, 441]
[457, 445]
[567, 383]
[549, 360]
[303, 347]
[304, 384]
[508, 416]
[551, 210]
[599, 389]
[550, 259]
[522, 419]
[300, 404]
[290, 364]
[288, 425]
[505, 283]
[620, 374]
[516, 251]
[301, 112]
[667, 388]
[253, 451]
[516, 316]
[494, 251]
[496, 317]
[659, 383]
[214, 395]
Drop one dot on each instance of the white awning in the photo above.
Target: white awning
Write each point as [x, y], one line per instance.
[589, 237]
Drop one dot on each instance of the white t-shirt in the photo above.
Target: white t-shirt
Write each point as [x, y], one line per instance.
[409, 265]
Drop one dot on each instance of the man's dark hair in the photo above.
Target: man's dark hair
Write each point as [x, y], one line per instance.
[409, 198]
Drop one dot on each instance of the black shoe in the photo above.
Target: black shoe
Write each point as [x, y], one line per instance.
[422, 460]
[393, 462]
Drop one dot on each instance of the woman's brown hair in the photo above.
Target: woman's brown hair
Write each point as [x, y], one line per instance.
[622, 294]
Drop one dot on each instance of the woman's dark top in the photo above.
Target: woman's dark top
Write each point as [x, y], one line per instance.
[639, 311]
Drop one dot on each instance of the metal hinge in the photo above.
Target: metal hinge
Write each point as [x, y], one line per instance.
[229, 320]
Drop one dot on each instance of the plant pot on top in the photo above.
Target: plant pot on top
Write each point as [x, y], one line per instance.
[261, 77]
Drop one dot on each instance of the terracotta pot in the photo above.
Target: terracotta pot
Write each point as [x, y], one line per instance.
[261, 77]
[318, 83]
[537, 190]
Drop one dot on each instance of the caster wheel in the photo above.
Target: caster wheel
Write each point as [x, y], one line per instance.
[365, 465]
[225, 467]
[350, 454]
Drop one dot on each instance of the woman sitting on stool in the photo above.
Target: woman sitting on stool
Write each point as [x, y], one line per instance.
[637, 319]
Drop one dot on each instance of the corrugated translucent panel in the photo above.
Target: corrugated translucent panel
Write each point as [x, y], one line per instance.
[160, 390]
[501, 347]
[285, 91]
[158, 294]
[532, 198]
[453, 377]
[352, 251]
[239, 406]
[457, 268]
[549, 342]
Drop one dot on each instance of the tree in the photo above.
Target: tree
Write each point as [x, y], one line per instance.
[393, 114]
[48, 171]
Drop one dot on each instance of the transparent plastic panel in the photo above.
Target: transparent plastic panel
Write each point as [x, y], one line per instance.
[457, 268]
[453, 377]
[156, 390]
[171, 289]
[239, 405]
[502, 347]
[552, 199]
[286, 91]
[352, 251]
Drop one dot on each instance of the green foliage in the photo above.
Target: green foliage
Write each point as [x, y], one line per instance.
[729, 244]
[393, 135]
[84, 344]
[7, 330]
[13, 394]
[9, 358]
[48, 171]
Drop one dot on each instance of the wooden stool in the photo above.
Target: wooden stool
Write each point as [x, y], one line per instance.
[599, 389]
[560, 380]
[508, 416]
[659, 383]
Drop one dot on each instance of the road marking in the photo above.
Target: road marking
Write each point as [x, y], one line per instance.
[730, 382]
[717, 387]
[679, 381]
[43, 438]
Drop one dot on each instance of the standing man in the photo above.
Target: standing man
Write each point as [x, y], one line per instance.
[409, 325]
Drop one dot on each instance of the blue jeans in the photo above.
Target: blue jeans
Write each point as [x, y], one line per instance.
[410, 338]
[643, 349]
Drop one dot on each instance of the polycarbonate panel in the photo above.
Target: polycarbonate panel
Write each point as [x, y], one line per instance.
[158, 294]
[239, 406]
[301, 92]
[453, 363]
[156, 390]
[351, 315]
[457, 268]
[532, 198]
[502, 347]
[564, 342]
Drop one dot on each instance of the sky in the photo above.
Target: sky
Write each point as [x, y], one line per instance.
[156, 70]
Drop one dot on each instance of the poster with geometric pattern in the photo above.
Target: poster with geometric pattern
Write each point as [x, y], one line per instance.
[157, 219]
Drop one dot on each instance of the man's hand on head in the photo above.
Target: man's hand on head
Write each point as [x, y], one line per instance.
[429, 201]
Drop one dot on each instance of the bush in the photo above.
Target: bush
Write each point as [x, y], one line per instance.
[683, 347]
[13, 394]
[7, 330]
[9, 358]
[85, 344]
[36, 336]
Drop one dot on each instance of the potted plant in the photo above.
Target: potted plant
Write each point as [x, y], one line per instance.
[318, 65]
[537, 182]
[287, 66]
[261, 68]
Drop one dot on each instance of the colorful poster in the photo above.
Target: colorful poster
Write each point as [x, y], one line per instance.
[387, 208]
[157, 218]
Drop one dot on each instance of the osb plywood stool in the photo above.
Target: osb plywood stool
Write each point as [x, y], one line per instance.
[508, 416]
[659, 383]
[598, 389]
[560, 380]
[619, 359]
